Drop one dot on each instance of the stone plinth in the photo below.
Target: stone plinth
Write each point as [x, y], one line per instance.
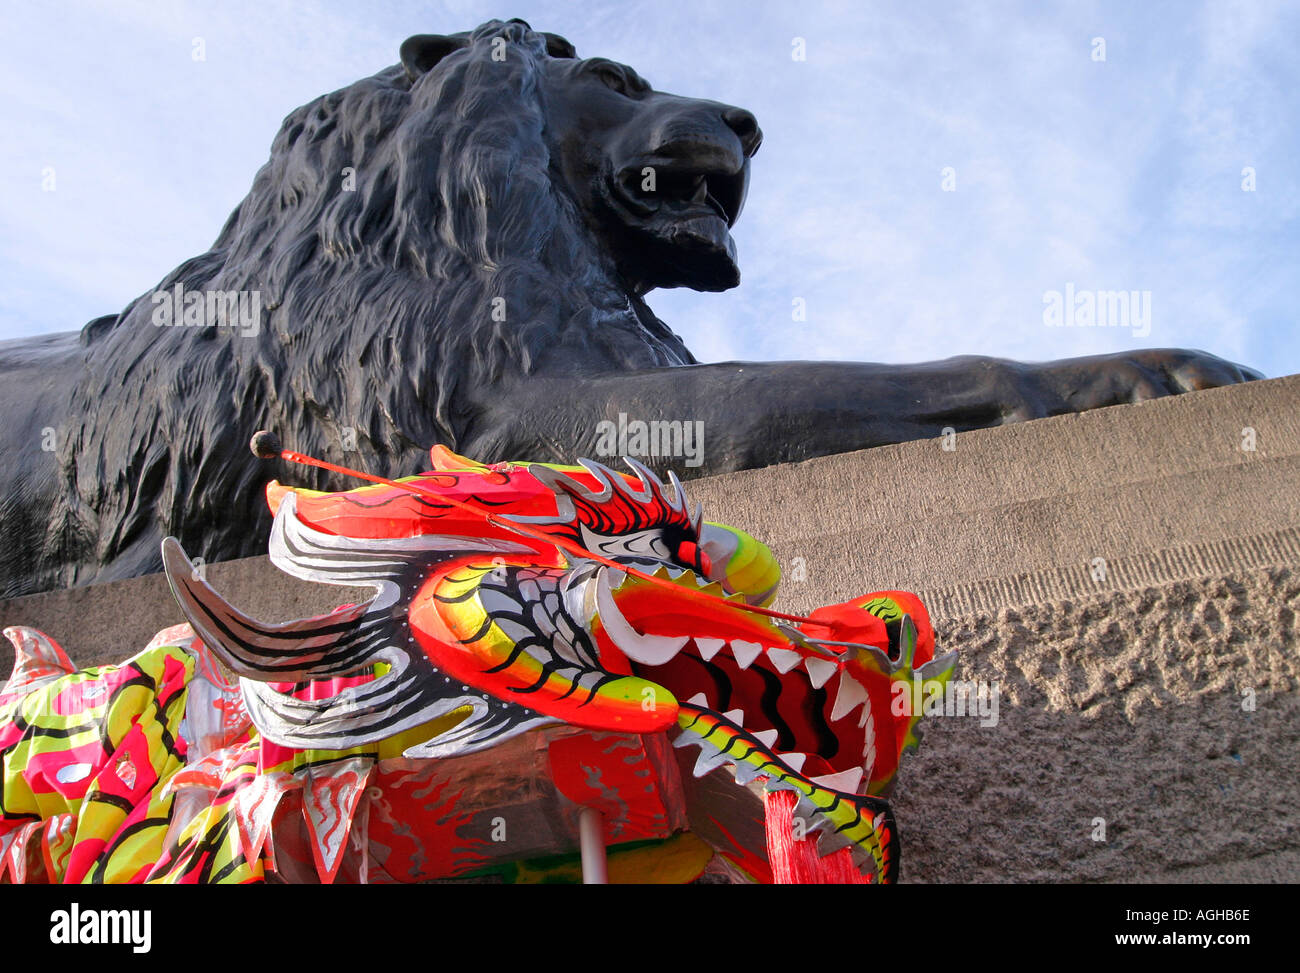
[1127, 579]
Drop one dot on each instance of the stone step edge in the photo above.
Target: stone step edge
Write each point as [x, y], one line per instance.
[1127, 573]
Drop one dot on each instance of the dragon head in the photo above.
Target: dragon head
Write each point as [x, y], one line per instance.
[515, 595]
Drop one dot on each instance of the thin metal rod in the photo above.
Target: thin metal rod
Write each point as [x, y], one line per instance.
[591, 842]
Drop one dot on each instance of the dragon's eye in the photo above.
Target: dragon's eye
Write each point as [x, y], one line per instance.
[690, 555]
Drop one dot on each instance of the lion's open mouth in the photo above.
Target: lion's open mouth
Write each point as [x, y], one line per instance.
[674, 219]
[682, 192]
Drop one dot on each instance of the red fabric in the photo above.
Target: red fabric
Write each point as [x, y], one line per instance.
[794, 859]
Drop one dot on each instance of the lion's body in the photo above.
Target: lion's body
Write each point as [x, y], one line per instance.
[436, 256]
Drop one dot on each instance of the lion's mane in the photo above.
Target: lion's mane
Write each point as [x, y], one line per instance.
[377, 313]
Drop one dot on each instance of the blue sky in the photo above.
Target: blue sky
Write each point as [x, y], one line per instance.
[1107, 175]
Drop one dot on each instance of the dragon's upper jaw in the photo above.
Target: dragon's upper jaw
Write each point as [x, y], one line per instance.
[603, 648]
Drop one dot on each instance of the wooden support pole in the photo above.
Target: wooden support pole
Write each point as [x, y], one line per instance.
[591, 842]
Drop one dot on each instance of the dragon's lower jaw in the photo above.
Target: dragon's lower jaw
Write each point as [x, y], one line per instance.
[770, 705]
[832, 818]
[789, 721]
[761, 715]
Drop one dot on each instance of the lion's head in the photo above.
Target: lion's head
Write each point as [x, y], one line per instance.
[488, 209]
[660, 178]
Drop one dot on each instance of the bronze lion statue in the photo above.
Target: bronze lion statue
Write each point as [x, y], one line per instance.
[456, 250]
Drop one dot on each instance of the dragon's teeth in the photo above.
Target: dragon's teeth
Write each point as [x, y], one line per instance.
[783, 659]
[766, 737]
[699, 699]
[651, 650]
[828, 841]
[846, 781]
[869, 743]
[709, 647]
[745, 652]
[819, 671]
[707, 763]
[794, 761]
[850, 695]
[736, 716]
[869, 759]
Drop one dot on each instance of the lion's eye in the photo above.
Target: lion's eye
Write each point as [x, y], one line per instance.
[613, 78]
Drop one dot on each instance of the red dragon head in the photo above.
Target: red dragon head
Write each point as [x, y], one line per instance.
[512, 596]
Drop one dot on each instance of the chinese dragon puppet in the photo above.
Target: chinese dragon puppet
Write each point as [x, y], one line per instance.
[540, 639]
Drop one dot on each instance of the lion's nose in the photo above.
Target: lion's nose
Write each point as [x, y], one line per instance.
[745, 125]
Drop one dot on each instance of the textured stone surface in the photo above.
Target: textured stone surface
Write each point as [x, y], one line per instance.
[1016, 515]
[1120, 691]
[1129, 707]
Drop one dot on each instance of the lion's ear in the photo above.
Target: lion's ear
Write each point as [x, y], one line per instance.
[421, 53]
